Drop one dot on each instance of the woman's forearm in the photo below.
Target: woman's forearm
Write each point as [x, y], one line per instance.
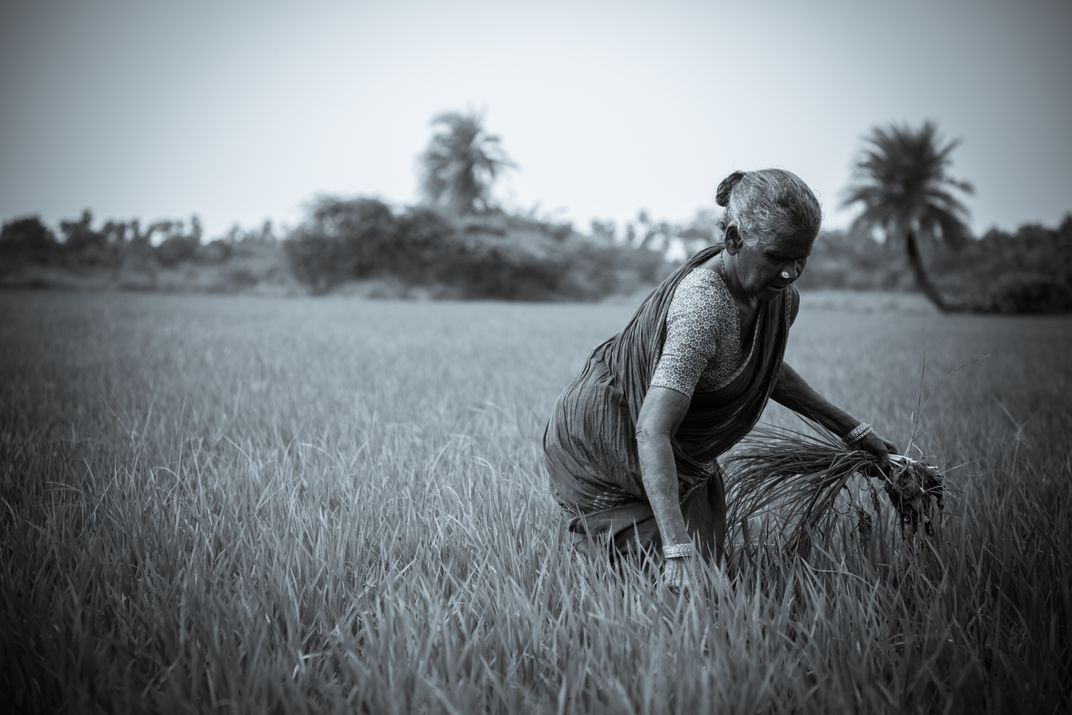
[658, 471]
[795, 393]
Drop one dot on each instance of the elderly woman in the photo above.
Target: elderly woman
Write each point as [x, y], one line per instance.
[633, 442]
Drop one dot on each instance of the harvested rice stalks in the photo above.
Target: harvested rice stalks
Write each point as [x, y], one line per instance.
[915, 490]
[795, 478]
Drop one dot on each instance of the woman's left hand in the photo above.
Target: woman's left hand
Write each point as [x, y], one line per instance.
[881, 448]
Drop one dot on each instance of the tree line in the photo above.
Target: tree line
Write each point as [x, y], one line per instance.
[911, 229]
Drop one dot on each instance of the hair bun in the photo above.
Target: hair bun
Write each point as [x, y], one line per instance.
[722, 195]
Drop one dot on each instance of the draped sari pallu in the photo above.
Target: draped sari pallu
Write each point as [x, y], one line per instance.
[590, 445]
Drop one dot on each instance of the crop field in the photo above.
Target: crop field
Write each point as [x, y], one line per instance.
[239, 504]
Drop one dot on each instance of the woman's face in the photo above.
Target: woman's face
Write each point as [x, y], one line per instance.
[767, 266]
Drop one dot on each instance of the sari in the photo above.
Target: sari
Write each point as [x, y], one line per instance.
[590, 446]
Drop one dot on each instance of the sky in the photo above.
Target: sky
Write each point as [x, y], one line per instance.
[244, 111]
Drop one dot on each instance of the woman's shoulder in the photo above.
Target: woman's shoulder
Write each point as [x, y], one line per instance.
[702, 301]
[701, 290]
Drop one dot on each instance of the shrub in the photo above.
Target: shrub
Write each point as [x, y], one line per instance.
[319, 261]
[426, 242]
[366, 229]
[1024, 292]
[486, 266]
[176, 249]
[491, 256]
[344, 239]
[217, 251]
[27, 239]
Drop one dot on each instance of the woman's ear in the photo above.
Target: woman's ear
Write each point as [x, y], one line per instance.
[732, 240]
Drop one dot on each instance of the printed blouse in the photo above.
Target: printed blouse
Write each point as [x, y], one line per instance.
[702, 348]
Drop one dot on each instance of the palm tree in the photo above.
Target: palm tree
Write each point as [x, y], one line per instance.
[902, 184]
[461, 163]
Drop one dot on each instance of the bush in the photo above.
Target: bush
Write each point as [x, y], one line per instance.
[426, 241]
[492, 256]
[344, 239]
[27, 240]
[176, 249]
[218, 251]
[366, 229]
[1023, 292]
[487, 267]
[319, 261]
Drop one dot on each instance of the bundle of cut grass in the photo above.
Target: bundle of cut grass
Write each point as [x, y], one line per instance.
[795, 479]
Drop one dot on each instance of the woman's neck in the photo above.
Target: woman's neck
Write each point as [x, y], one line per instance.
[727, 267]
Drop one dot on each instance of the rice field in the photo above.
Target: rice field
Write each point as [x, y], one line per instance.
[238, 504]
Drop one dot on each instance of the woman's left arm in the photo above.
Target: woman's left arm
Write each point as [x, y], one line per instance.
[795, 393]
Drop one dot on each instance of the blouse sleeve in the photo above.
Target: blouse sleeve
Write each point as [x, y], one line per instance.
[691, 338]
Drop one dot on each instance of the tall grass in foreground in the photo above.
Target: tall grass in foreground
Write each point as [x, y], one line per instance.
[304, 506]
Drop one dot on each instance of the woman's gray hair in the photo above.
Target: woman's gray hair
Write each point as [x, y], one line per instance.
[767, 203]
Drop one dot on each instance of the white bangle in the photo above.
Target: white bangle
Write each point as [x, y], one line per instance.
[678, 551]
[858, 432]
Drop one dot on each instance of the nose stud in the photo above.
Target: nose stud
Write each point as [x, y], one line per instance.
[785, 274]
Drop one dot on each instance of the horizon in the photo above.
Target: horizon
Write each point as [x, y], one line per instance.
[606, 111]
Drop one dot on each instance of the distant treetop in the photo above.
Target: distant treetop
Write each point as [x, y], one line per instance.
[461, 164]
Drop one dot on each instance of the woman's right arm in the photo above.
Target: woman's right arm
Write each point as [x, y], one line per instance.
[660, 415]
[692, 322]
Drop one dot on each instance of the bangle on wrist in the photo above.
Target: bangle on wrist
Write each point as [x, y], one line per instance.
[678, 551]
[857, 433]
